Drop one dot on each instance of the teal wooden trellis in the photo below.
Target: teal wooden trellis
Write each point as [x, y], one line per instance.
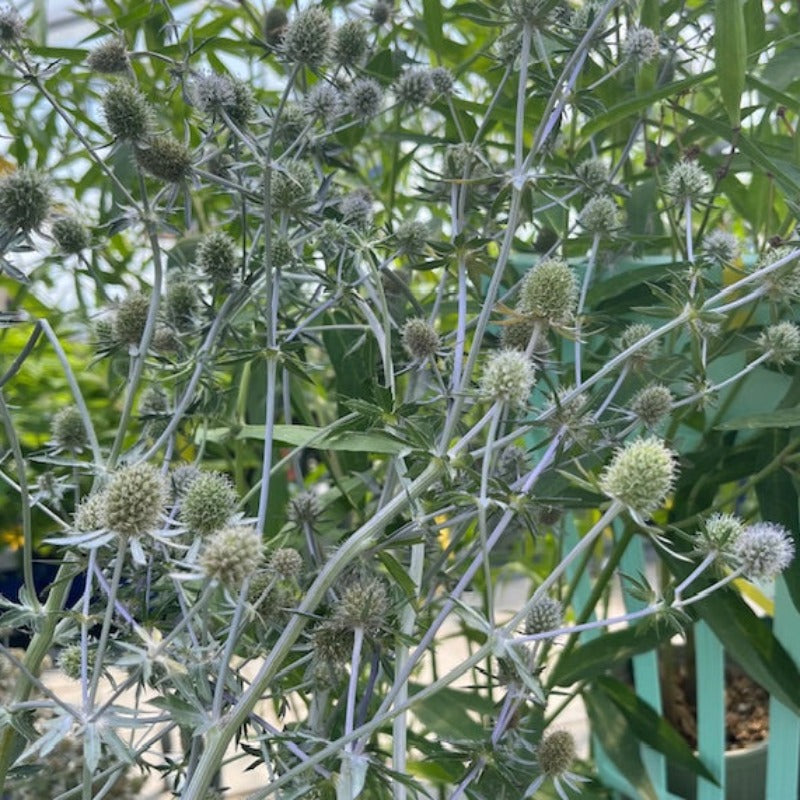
[783, 750]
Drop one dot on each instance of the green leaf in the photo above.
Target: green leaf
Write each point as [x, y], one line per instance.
[599, 655]
[446, 714]
[432, 16]
[782, 418]
[322, 439]
[612, 730]
[730, 45]
[650, 727]
[398, 573]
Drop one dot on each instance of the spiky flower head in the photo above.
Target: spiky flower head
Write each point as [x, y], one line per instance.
[420, 339]
[164, 158]
[530, 12]
[183, 477]
[600, 216]
[217, 257]
[208, 503]
[350, 44]
[516, 333]
[549, 292]
[631, 336]
[782, 284]
[103, 335]
[331, 643]
[275, 24]
[556, 753]
[652, 404]
[232, 555]
[181, 303]
[442, 81]
[286, 563]
[513, 462]
[127, 112]
[281, 251]
[12, 26]
[69, 661]
[130, 318]
[291, 124]
[304, 509]
[640, 475]
[381, 12]
[720, 248]
[135, 499]
[68, 430]
[363, 603]
[546, 614]
[153, 401]
[308, 38]
[323, 103]
[414, 87]
[640, 46]
[109, 57]
[70, 235]
[90, 513]
[687, 180]
[364, 98]
[764, 550]
[411, 237]
[570, 411]
[593, 172]
[356, 208]
[508, 377]
[781, 341]
[293, 189]
[211, 92]
[241, 108]
[719, 533]
[25, 198]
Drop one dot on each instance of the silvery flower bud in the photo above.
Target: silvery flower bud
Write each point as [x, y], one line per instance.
[232, 555]
[308, 38]
[764, 550]
[640, 475]
[70, 234]
[181, 303]
[134, 500]
[420, 339]
[127, 112]
[781, 341]
[293, 189]
[632, 335]
[217, 257]
[720, 248]
[652, 404]
[411, 237]
[304, 509]
[164, 158]
[549, 292]
[719, 533]
[68, 430]
[546, 614]
[208, 503]
[323, 103]
[592, 172]
[687, 181]
[508, 377]
[640, 46]
[442, 81]
[12, 26]
[363, 603]
[556, 753]
[600, 216]
[130, 319]
[414, 87]
[109, 57]
[25, 198]
[364, 98]
[90, 513]
[381, 12]
[286, 563]
[350, 44]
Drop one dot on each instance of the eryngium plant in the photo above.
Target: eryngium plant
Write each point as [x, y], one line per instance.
[321, 325]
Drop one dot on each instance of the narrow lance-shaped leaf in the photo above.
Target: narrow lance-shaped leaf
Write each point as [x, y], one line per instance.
[730, 43]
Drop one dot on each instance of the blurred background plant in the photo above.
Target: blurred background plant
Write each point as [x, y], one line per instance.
[321, 323]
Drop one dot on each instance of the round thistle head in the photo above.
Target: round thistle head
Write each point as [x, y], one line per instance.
[600, 216]
[304, 509]
[181, 303]
[549, 292]
[275, 24]
[281, 252]
[232, 555]
[68, 430]
[290, 125]
[631, 336]
[103, 335]
[508, 377]
[719, 533]
[411, 238]
[286, 563]
[130, 318]
[414, 87]
[720, 248]
[331, 239]
[640, 475]
[420, 339]
[571, 413]
[364, 98]
[781, 341]
[640, 46]
[134, 500]
[331, 643]
[556, 753]
[127, 112]
[323, 103]
[109, 57]
[534, 13]
[652, 404]
[70, 235]
[363, 603]
[208, 503]
[546, 614]
[350, 44]
[164, 158]
[442, 81]
[12, 26]
[69, 661]
[764, 550]
[217, 257]
[25, 199]
[381, 12]
[293, 189]
[516, 333]
[356, 208]
[165, 341]
[782, 284]
[241, 108]
[212, 93]
[687, 181]
[90, 513]
[513, 462]
[593, 173]
[308, 38]
[183, 477]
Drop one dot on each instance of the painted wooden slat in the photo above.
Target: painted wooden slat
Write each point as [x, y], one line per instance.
[710, 668]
